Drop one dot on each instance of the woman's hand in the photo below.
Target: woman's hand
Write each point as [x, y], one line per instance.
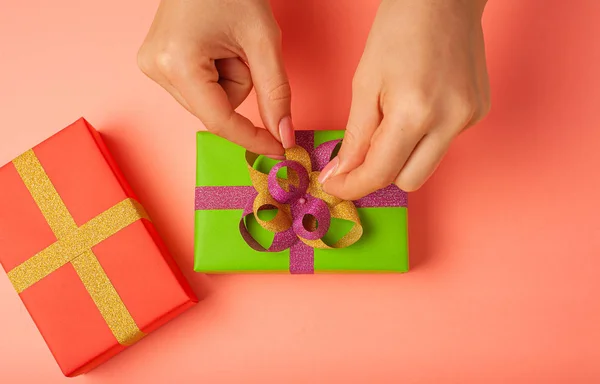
[421, 81]
[209, 53]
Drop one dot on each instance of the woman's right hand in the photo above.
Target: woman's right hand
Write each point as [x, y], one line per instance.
[208, 54]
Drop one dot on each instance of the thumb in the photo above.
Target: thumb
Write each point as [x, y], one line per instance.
[265, 60]
[362, 123]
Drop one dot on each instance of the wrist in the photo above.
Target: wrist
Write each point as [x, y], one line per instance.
[479, 5]
[475, 6]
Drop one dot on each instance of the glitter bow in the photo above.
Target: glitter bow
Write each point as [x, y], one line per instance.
[304, 210]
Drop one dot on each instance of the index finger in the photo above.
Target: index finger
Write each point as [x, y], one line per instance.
[390, 148]
[210, 104]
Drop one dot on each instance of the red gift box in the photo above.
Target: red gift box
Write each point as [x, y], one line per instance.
[82, 252]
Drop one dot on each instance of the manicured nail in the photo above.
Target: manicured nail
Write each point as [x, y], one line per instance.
[329, 170]
[276, 157]
[286, 132]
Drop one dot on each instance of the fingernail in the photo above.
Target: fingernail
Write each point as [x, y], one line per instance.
[276, 157]
[286, 132]
[329, 170]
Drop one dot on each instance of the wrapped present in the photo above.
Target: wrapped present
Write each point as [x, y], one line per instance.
[254, 214]
[81, 251]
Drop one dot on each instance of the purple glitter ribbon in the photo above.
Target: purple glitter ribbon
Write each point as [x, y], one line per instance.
[301, 204]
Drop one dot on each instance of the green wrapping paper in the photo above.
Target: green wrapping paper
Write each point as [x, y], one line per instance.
[220, 247]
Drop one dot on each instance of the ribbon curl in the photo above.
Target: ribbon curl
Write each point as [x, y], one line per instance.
[304, 210]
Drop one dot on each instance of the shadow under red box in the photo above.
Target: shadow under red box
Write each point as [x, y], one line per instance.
[135, 260]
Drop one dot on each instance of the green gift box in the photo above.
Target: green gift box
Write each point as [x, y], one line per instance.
[224, 192]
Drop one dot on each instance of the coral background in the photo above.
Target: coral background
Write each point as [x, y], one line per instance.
[505, 238]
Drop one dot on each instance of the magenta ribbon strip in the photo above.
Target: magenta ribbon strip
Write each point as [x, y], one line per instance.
[301, 255]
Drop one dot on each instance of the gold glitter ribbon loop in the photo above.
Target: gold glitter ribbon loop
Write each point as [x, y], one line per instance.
[282, 220]
[74, 245]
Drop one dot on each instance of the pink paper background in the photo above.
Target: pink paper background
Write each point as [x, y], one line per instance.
[505, 239]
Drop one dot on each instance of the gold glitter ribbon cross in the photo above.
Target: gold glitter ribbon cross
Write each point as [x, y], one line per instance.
[74, 245]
